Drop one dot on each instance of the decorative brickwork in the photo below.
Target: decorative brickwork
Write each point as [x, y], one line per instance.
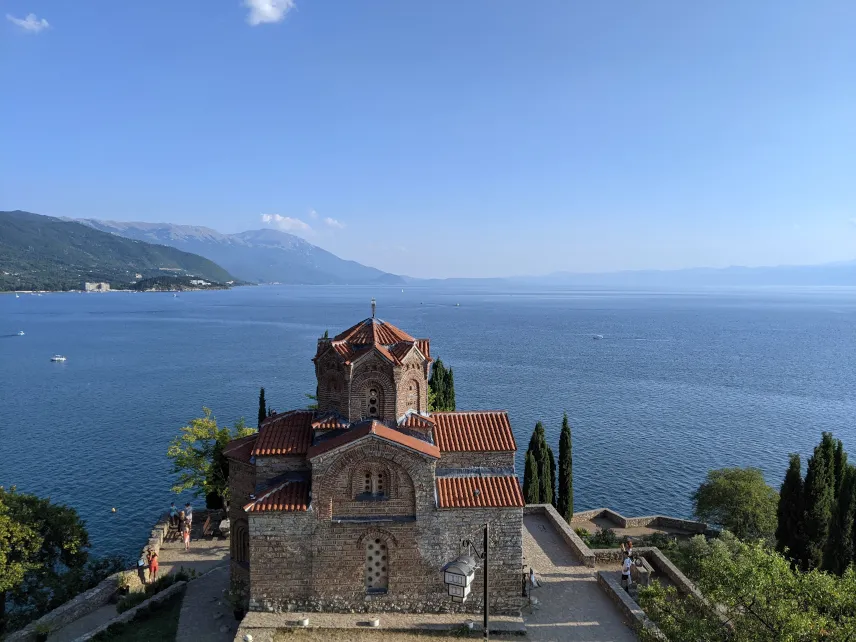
[368, 531]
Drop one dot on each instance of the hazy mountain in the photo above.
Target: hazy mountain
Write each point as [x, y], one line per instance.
[257, 255]
[46, 253]
[841, 273]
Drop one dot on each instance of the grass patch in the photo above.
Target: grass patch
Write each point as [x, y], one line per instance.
[155, 623]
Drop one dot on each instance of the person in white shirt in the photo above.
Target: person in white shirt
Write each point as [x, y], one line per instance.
[625, 571]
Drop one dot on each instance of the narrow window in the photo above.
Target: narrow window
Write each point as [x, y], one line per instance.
[377, 565]
[373, 404]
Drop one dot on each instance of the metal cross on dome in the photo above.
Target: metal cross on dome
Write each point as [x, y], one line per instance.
[374, 305]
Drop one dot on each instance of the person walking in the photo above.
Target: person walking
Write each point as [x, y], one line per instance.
[173, 515]
[185, 534]
[188, 513]
[625, 572]
[153, 566]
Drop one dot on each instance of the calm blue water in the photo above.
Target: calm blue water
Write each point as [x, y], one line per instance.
[680, 383]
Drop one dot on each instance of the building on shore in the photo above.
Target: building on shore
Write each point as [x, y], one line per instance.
[359, 504]
[96, 287]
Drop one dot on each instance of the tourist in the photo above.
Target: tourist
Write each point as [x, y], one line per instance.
[625, 572]
[188, 513]
[142, 565]
[629, 547]
[185, 534]
[153, 566]
[173, 515]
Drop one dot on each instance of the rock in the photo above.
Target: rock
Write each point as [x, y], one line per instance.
[224, 629]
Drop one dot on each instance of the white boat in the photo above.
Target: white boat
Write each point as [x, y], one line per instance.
[20, 333]
[58, 357]
[598, 336]
[16, 296]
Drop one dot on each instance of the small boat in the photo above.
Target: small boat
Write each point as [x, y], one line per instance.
[457, 305]
[598, 336]
[16, 296]
[20, 333]
[58, 357]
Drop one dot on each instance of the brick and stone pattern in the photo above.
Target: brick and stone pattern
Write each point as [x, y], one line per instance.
[476, 459]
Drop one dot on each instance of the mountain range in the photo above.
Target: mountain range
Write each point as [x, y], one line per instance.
[264, 256]
[46, 253]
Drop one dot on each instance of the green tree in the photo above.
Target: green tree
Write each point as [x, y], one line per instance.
[554, 496]
[840, 548]
[262, 406]
[441, 388]
[839, 466]
[531, 485]
[819, 500]
[790, 531]
[739, 500]
[759, 597]
[565, 502]
[193, 455]
[19, 545]
[546, 471]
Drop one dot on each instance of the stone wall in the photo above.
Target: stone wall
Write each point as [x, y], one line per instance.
[632, 612]
[474, 460]
[74, 609]
[578, 547]
[130, 614]
[650, 521]
[311, 561]
[269, 467]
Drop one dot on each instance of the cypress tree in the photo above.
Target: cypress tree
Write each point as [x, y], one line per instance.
[840, 466]
[819, 500]
[545, 474]
[262, 407]
[840, 552]
[790, 532]
[450, 391]
[531, 487]
[565, 501]
[554, 497]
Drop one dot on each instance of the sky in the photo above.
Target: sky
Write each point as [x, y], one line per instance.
[446, 138]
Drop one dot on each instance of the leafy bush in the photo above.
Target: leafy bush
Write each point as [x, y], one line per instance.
[604, 538]
[131, 600]
[163, 582]
[583, 533]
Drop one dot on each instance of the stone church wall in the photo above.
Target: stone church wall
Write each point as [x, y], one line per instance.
[242, 484]
[269, 467]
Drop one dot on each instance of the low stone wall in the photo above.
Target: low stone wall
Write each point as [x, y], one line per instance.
[636, 617]
[650, 521]
[74, 609]
[130, 614]
[664, 566]
[578, 547]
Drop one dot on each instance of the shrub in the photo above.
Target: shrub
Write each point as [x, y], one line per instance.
[131, 600]
[604, 538]
[163, 582]
[583, 533]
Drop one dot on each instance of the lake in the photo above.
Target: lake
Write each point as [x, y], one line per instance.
[680, 383]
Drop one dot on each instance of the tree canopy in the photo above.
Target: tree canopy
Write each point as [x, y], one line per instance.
[565, 500]
[739, 500]
[441, 388]
[197, 458]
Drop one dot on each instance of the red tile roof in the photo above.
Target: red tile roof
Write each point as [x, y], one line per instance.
[415, 420]
[241, 449]
[290, 496]
[494, 492]
[330, 421]
[473, 431]
[424, 346]
[373, 331]
[400, 350]
[287, 434]
[372, 427]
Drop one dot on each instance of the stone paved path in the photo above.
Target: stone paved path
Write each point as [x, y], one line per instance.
[206, 610]
[572, 606]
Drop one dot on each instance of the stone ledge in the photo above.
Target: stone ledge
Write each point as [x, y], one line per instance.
[650, 521]
[73, 610]
[578, 547]
[629, 608]
[130, 614]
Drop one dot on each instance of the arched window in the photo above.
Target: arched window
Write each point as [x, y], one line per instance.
[412, 395]
[375, 484]
[377, 566]
[241, 542]
[373, 402]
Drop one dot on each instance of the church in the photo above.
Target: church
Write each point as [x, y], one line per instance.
[358, 504]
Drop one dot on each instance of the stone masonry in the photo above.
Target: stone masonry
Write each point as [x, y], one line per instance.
[358, 505]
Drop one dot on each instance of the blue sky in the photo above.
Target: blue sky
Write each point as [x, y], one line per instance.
[446, 138]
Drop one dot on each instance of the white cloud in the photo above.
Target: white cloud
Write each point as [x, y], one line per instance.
[264, 11]
[331, 222]
[286, 223]
[31, 23]
[313, 214]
